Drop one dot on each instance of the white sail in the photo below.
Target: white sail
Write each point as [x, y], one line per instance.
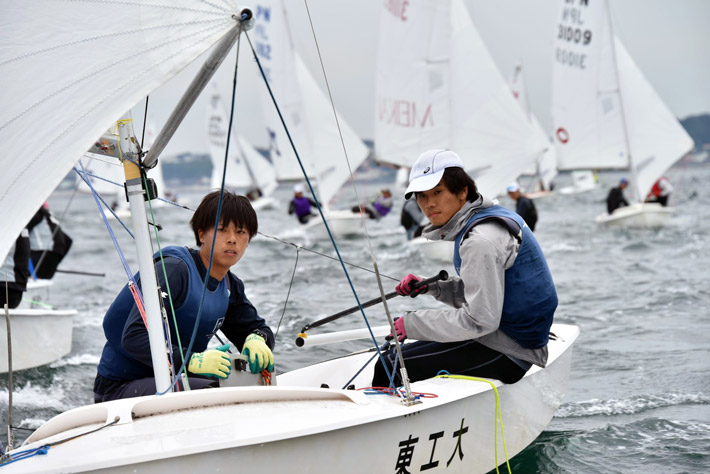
[306, 110]
[276, 53]
[237, 175]
[438, 87]
[262, 170]
[605, 113]
[246, 167]
[656, 138]
[157, 40]
[544, 168]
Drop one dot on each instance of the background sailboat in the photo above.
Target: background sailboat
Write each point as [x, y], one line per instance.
[310, 120]
[247, 169]
[606, 114]
[437, 86]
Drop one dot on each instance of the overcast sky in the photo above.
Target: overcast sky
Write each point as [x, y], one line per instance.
[668, 39]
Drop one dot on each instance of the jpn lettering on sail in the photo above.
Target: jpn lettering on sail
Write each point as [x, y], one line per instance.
[587, 127]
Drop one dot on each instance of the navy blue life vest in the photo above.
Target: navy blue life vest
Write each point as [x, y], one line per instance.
[530, 297]
[116, 363]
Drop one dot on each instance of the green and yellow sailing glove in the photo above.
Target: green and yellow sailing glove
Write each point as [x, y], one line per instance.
[258, 354]
[212, 363]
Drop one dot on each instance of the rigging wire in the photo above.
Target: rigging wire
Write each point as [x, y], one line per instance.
[216, 225]
[293, 275]
[364, 220]
[315, 197]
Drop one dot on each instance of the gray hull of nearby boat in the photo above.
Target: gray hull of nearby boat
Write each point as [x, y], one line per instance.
[39, 337]
[297, 427]
[643, 214]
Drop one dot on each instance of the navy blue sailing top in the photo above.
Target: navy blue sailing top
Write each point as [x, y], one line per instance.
[126, 354]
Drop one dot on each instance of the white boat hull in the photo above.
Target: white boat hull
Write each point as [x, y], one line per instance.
[264, 202]
[440, 250]
[539, 194]
[295, 427]
[39, 337]
[578, 189]
[342, 223]
[645, 214]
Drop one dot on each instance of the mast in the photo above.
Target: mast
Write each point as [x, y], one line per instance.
[634, 177]
[130, 151]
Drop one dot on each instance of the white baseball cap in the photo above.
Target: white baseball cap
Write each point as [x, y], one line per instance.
[429, 168]
[298, 188]
[513, 187]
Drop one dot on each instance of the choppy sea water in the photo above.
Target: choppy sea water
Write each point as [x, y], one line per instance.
[639, 392]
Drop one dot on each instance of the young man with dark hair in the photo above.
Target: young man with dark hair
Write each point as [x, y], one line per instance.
[125, 369]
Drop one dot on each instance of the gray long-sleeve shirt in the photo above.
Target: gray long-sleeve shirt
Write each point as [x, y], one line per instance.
[476, 297]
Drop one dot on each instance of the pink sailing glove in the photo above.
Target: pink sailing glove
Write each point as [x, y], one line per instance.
[406, 286]
[399, 329]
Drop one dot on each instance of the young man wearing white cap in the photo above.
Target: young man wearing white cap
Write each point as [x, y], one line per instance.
[523, 206]
[502, 303]
[301, 205]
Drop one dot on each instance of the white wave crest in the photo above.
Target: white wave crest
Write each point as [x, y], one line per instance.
[629, 406]
[81, 359]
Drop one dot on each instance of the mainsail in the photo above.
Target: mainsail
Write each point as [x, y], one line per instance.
[158, 39]
[438, 87]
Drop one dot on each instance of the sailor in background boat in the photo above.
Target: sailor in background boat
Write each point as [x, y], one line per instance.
[523, 206]
[49, 244]
[660, 192]
[615, 199]
[15, 269]
[254, 193]
[503, 303]
[412, 219]
[125, 369]
[301, 205]
[378, 206]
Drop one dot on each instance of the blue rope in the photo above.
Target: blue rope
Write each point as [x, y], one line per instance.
[157, 198]
[98, 197]
[14, 457]
[126, 267]
[320, 210]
